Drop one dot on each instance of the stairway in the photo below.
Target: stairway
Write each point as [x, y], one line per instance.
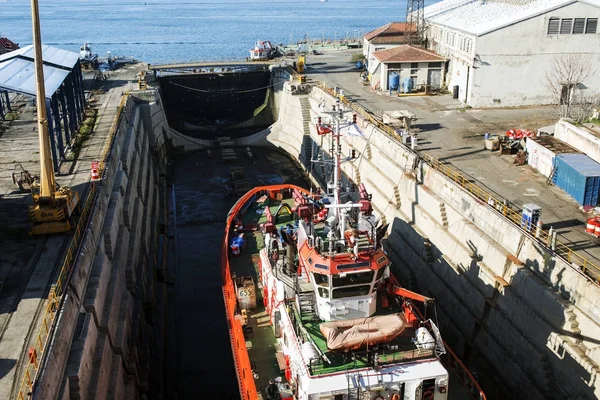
[306, 302]
[397, 199]
[428, 251]
[443, 215]
[306, 150]
[364, 243]
[550, 180]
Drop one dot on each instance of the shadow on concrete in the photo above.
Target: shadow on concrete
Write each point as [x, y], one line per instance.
[462, 155]
[429, 127]
[484, 346]
[566, 224]
[6, 365]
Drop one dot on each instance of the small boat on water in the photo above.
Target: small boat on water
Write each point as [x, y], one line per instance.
[263, 50]
[313, 307]
[7, 45]
[87, 58]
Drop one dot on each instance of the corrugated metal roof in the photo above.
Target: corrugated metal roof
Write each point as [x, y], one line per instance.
[51, 55]
[479, 17]
[18, 75]
[553, 144]
[581, 163]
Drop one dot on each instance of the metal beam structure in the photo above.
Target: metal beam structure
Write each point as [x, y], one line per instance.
[65, 105]
[4, 104]
[414, 31]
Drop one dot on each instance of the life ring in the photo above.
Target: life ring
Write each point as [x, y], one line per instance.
[427, 395]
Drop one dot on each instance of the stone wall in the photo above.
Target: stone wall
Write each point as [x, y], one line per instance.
[108, 341]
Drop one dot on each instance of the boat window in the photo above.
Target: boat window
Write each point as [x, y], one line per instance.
[380, 273]
[324, 292]
[352, 278]
[351, 291]
[321, 280]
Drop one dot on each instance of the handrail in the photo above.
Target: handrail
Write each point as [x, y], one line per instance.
[37, 352]
[543, 236]
[561, 250]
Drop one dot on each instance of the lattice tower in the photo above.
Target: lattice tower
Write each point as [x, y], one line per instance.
[414, 32]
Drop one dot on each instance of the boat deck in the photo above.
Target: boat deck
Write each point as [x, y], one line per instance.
[261, 341]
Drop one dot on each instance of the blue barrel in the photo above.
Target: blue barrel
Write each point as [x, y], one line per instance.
[394, 80]
[359, 65]
[407, 85]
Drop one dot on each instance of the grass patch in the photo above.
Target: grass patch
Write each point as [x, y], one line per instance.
[465, 108]
[84, 133]
[357, 57]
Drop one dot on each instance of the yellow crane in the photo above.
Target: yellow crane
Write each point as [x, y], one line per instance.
[53, 205]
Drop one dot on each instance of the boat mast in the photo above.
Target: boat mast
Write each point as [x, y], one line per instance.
[336, 171]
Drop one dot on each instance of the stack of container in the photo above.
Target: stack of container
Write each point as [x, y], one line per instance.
[579, 176]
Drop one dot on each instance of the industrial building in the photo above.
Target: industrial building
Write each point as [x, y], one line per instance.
[500, 51]
[406, 67]
[385, 37]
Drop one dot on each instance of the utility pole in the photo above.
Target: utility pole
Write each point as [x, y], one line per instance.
[47, 183]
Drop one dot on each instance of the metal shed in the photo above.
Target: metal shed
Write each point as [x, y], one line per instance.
[65, 98]
[541, 151]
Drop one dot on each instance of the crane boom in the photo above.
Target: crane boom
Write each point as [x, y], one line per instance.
[47, 182]
[54, 207]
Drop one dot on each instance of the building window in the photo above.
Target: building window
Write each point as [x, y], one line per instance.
[566, 26]
[414, 71]
[414, 65]
[435, 65]
[553, 26]
[579, 25]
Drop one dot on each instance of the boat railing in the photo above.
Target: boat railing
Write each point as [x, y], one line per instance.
[376, 357]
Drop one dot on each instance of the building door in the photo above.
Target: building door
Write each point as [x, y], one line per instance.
[434, 78]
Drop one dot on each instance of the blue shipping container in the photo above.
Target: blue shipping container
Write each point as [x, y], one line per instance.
[578, 175]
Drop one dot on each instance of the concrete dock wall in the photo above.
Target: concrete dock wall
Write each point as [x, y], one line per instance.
[109, 322]
[508, 306]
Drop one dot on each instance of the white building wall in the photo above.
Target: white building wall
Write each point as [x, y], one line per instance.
[582, 138]
[458, 47]
[507, 67]
[369, 48]
[514, 60]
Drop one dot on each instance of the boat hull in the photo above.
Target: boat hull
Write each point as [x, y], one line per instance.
[241, 358]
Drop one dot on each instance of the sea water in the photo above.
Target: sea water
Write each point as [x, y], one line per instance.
[178, 31]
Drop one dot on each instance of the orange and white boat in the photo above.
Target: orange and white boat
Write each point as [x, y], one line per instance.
[263, 50]
[314, 311]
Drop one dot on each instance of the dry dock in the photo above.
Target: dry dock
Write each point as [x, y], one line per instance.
[521, 315]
